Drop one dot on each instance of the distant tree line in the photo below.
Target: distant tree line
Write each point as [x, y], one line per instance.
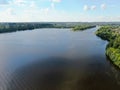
[82, 27]
[107, 32]
[11, 27]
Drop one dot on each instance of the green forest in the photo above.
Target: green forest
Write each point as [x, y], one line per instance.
[82, 27]
[111, 34]
[12, 27]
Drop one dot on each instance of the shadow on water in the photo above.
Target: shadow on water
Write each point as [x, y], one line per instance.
[115, 70]
[61, 74]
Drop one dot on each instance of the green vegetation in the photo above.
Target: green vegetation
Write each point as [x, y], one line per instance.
[106, 33]
[12, 27]
[82, 27]
[112, 34]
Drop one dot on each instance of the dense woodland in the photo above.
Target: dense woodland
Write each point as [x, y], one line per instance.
[83, 27]
[11, 27]
[112, 34]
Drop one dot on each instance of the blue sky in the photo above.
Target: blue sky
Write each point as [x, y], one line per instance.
[59, 10]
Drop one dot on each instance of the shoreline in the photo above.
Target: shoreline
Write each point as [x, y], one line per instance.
[111, 34]
[13, 27]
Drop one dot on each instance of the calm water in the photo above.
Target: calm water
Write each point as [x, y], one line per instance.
[55, 59]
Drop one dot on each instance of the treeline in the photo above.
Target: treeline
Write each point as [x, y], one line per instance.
[112, 34]
[82, 27]
[11, 27]
[107, 32]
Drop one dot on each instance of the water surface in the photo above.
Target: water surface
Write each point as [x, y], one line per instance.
[55, 59]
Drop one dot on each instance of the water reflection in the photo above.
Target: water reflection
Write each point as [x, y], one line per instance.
[115, 71]
[55, 59]
[61, 74]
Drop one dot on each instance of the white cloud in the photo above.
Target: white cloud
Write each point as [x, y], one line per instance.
[19, 2]
[56, 1]
[108, 18]
[103, 6]
[32, 4]
[52, 5]
[45, 11]
[53, 2]
[86, 7]
[93, 7]
[32, 13]
[10, 11]
[8, 15]
[47, 14]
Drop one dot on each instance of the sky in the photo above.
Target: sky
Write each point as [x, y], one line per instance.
[59, 10]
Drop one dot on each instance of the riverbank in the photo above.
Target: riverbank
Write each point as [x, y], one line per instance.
[13, 27]
[82, 27]
[111, 34]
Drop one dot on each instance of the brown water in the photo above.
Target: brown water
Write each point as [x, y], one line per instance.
[55, 59]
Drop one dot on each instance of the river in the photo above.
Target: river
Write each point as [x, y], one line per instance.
[55, 59]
